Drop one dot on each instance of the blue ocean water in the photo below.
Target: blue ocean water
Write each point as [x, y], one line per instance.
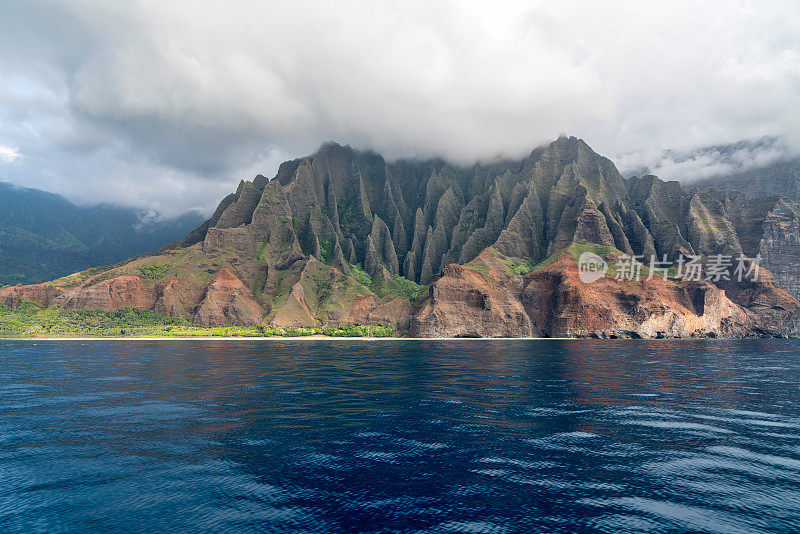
[400, 436]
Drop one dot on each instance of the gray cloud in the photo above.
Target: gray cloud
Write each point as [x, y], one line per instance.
[168, 104]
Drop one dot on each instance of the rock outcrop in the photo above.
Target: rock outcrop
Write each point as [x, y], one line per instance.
[388, 310]
[227, 301]
[42, 294]
[467, 303]
[612, 308]
[779, 246]
[126, 291]
[555, 302]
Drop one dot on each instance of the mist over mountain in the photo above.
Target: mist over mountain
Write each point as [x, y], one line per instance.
[178, 100]
[781, 178]
[43, 236]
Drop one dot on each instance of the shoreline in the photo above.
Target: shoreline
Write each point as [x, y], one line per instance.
[340, 338]
[276, 338]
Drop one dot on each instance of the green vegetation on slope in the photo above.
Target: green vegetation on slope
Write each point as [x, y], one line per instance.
[397, 286]
[154, 271]
[403, 288]
[514, 265]
[518, 266]
[30, 320]
[361, 276]
[480, 267]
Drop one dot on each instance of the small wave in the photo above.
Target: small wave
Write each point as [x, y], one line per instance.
[780, 461]
[681, 425]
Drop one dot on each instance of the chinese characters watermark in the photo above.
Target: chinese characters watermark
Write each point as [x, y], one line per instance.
[713, 268]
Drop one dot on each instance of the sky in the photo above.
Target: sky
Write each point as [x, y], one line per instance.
[166, 105]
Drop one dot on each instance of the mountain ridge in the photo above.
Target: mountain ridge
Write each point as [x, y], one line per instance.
[44, 236]
[781, 178]
[344, 237]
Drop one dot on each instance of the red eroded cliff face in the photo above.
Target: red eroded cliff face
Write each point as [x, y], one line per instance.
[174, 299]
[465, 303]
[228, 301]
[562, 305]
[223, 300]
[42, 294]
[387, 310]
[114, 294]
[556, 303]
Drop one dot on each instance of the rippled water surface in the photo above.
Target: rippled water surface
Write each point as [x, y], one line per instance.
[400, 436]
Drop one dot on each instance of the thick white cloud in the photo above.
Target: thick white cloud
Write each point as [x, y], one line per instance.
[167, 104]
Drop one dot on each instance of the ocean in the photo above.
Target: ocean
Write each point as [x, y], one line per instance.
[472, 436]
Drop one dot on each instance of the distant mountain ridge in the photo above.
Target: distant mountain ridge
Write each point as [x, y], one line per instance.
[781, 178]
[343, 237]
[44, 236]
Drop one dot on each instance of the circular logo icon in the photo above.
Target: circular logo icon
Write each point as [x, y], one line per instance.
[591, 267]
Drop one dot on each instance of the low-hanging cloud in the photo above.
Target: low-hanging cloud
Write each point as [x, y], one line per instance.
[166, 104]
